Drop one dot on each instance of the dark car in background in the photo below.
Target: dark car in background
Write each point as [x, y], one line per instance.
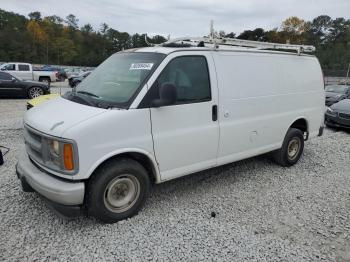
[75, 80]
[11, 86]
[338, 115]
[336, 93]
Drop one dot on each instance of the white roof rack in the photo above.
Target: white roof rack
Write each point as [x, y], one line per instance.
[217, 42]
[232, 42]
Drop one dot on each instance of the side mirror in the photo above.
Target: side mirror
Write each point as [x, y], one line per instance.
[167, 94]
[13, 80]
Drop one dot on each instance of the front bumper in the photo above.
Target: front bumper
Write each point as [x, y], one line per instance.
[336, 121]
[64, 196]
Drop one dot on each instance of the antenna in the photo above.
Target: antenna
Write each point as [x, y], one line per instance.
[148, 43]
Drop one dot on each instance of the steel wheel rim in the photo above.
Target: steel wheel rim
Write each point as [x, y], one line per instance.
[121, 193]
[35, 92]
[293, 148]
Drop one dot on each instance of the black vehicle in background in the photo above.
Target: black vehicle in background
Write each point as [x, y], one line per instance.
[75, 80]
[336, 93]
[338, 115]
[11, 86]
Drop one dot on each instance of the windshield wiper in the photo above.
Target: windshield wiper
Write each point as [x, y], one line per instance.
[87, 93]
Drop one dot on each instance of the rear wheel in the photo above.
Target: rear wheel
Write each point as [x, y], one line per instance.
[118, 190]
[292, 148]
[34, 92]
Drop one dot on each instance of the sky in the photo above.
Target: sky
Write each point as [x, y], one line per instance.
[182, 17]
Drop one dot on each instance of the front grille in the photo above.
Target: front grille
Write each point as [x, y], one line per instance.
[345, 116]
[34, 145]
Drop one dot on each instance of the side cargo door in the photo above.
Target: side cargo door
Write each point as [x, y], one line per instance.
[186, 134]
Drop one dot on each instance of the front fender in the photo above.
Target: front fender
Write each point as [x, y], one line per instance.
[123, 151]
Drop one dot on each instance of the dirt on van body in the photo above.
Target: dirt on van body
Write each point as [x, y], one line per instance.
[251, 210]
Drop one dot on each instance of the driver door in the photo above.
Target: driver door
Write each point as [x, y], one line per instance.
[186, 134]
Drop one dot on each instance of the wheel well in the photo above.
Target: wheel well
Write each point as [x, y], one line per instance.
[139, 157]
[45, 77]
[301, 124]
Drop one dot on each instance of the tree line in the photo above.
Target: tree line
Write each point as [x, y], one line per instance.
[56, 40]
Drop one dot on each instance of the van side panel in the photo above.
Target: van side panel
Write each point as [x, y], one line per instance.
[260, 96]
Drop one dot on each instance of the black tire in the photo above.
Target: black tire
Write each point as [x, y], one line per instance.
[284, 156]
[25, 186]
[71, 83]
[35, 91]
[46, 80]
[104, 186]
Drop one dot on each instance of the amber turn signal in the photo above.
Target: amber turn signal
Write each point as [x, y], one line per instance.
[68, 156]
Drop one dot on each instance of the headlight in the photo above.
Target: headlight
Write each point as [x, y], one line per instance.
[330, 111]
[62, 155]
[54, 147]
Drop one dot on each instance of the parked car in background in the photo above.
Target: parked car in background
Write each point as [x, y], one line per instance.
[25, 71]
[72, 72]
[338, 115]
[336, 93]
[61, 72]
[75, 80]
[11, 86]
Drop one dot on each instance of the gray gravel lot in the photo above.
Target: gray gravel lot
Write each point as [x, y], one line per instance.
[263, 212]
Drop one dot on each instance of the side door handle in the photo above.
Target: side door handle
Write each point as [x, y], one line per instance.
[214, 113]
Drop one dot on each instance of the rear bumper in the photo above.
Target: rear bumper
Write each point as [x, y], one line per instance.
[63, 196]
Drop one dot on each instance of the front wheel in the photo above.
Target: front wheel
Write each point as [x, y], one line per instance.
[291, 150]
[117, 190]
[34, 92]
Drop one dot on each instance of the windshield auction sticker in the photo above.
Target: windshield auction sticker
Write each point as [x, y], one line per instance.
[141, 66]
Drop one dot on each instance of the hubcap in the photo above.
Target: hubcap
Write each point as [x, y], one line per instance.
[293, 148]
[122, 193]
[35, 92]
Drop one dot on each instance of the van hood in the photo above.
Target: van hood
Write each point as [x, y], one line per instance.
[56, 116]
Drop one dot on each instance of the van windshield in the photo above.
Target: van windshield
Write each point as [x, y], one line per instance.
[117, 80]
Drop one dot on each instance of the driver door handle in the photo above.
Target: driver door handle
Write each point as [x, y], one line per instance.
[214, 112]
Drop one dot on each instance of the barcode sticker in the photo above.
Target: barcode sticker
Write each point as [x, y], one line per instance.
[141, 66]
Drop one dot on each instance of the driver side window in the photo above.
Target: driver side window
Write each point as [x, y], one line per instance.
[190, 76]
[10, 67]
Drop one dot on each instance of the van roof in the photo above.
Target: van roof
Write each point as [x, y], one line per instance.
[168, 50]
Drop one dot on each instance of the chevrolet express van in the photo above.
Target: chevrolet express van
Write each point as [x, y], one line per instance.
[149, 115]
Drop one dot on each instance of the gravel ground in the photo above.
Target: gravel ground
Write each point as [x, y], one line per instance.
[263, 212]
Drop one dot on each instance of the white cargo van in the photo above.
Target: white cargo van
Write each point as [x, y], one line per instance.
[150, 115]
